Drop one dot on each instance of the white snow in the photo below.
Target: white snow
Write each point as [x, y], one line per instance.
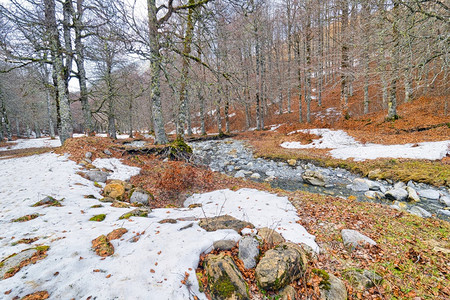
[151, 268]
[345, 146]
[275, 127]
[32, 143]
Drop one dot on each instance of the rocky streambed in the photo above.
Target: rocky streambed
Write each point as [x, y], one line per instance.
[236, 159]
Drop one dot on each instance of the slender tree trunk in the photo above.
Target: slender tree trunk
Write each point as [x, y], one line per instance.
[320, 74]
[188, 115]
[4, 118]
[17, 127]
[289, 71]
[299, 80]
[112, 130]
[155, 73]
[344, 56]
[130, 118]
[395, 56]
[308, 39]
[365, 54]
[65, 129]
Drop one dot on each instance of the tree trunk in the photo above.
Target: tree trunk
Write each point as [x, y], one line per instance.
[65, 129]
[344, 56]
[365, 54]
[299, 80]
[155, 70]
[395, 56]
[308, 63]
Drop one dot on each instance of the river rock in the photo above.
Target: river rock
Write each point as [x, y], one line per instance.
[107, 152]
[412, 194]
[88, 155]
[374, 195]
[223, 222]
[270, 236]
[376, 186]
[429, 194]
[363, 279]
[224, 245]
[292, 162]
[224, 279]
[248, 251]
[445, 200]
[270, 178]
[141, 196]
[396, 194]
[443, 212]
[419, 211]
[314, 178]
[15, 261]
[399, 185]
[97, 176]
[334, 289]
[359, 185]
[401, 205]
[239, 174]
[354, 238]
[270, 173]
[280, 266]
[255, 176]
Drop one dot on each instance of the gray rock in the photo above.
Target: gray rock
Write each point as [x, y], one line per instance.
[375, 186]
[412, 194]
[270, 236]
[141, 196]
[443, 212]
[88, 155]
[248, 251]
[280, 266]
[419, 211]
[222, 271]
[374, 195]
[334, 290]
[255, 176]
[288, 293]
[445, 200]
[354, 238]
[313, 178]
[239, 174]
[270, 173]
[107, 152]
[97, 176]
[224, 245]
[138, 212]
[15, 260]
[429, 194]
[363, 279]
[399, 185]
[223, 222]
[396, 194]
[270, 178]
[359, 185]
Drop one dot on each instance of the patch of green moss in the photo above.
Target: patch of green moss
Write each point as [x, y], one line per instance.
[96, 206]
[223, 288]
[325, 283]
[48, 201]
[26, 218]
[42, 248]
[126, 216]
[200, 282]
[98, 218]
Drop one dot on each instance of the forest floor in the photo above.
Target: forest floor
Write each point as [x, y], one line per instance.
[412, 253]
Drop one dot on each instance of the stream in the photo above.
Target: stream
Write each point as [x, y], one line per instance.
[235, 158]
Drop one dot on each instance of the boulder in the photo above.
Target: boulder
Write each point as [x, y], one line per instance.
[255, 176]
[15, 260]
[139, 195]
[363, 279]
[375, 186]
[445, 200]
[399, 185]
[270, 236]
[248, 251]
[223, 222]
[239, 174]
[224, 245]
[97, 176]
[224, 279]
[288, 293]
[359, 185]
[138, 212]
[396, 194]
[429, 194]
[419, 211]
[314, 178]
[114, 190]
[354, 238]
[374, 195]
[412, 194]
[443, 212]
[333, 290]
[280, 266]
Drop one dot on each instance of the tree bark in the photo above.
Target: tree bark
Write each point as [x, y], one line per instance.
[65, 129]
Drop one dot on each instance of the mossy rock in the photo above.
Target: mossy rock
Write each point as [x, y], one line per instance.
[114, 190]
[224, 279]
[138, 212]
[25, 218]
[48, 201]
[102, 246]
[325, 283]
[363, 279]
[98, 218]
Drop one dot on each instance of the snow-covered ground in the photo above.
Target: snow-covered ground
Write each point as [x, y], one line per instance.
[32, 143]
[345, 146]
[151, 268]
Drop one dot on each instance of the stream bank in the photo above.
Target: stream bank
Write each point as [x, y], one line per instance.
[235, 158]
